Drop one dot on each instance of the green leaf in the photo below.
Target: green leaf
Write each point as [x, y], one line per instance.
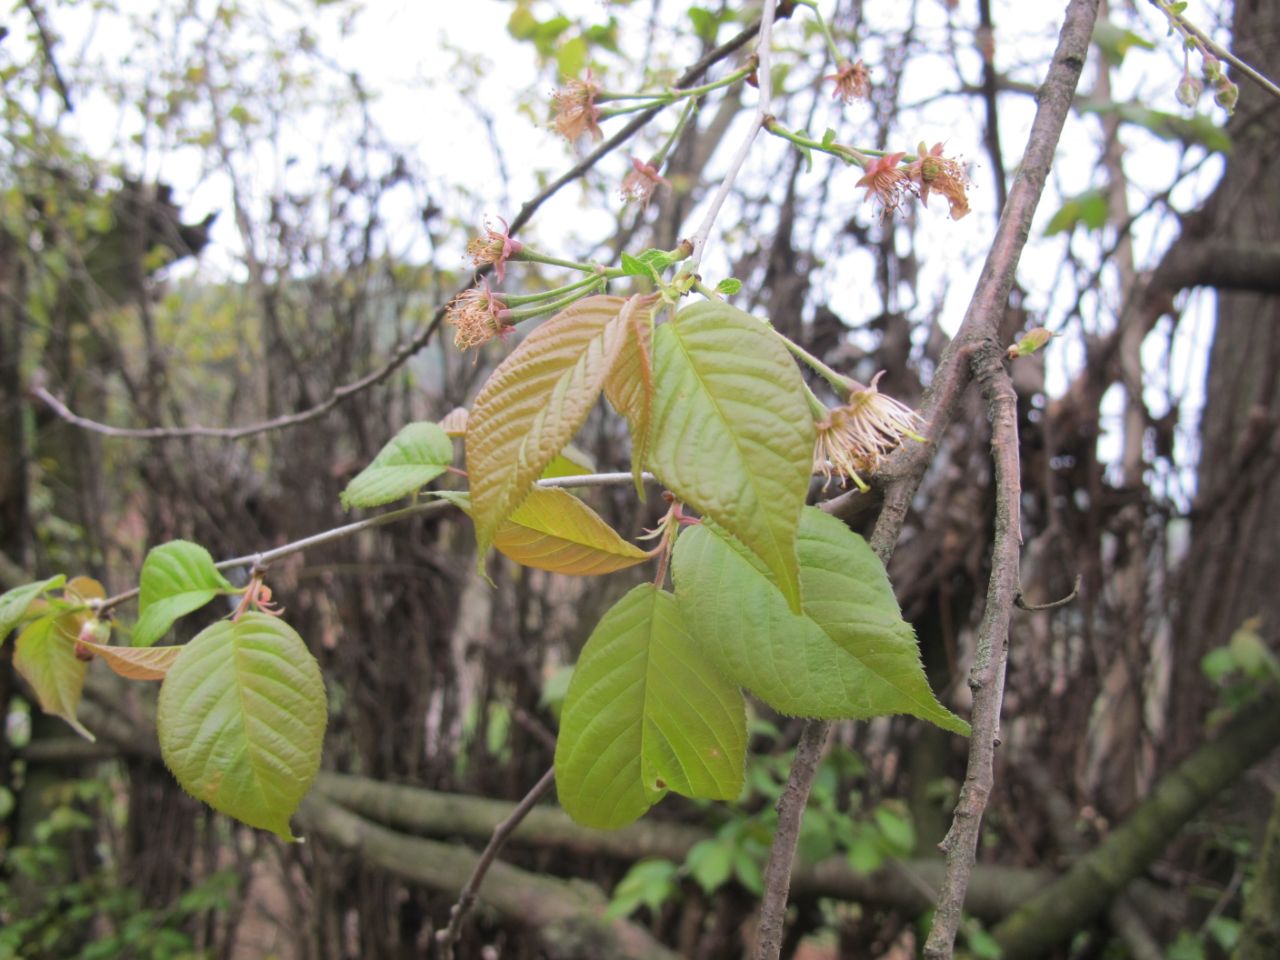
[1199, 128]
[177, 578]
[732, 433]
[629, 385]
[14, 603]
[533, 404]
[1089, 208]
[896, 828]
[572, 57]
[45, 656]
[648, 884]
[241, 720]
[710, 863]
[705, 24]
[554, 530]
[646, 714]
[413, 458]
[570, 462]
[1115, 41]
[728, 287]
[631, 267]
[849, 654]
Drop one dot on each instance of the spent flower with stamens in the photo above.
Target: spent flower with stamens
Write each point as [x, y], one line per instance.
[931, 171]
[853, 437]
[494, 247]
[884, 180]
[478, 315]
[853, 82]
[576, 110]
[641, 182]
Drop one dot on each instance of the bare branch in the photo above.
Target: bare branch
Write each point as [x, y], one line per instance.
[46, 47]
[986, 677]
[420, 339]
[699, 239]
[981, 326]
[449, 935]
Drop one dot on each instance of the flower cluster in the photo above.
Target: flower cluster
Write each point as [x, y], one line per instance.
[931, 171]
[853, 438]
[576, 110]
[477, 315]
[853, 82]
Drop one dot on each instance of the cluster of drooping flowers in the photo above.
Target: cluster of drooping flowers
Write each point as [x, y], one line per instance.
[1225, 92]
[889, 184]
[854, 437]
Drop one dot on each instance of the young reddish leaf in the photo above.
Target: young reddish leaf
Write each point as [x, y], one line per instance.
[241, 720]
[629, 385]
[454, 423]
[45, 656]
[83, 589]
[732, 432]
[646, 713]
[533, 404]
[136, 663]
[554, 530]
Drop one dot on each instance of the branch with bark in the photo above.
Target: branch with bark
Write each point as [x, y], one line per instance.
[568, 917]
[981, 329]
[419, 340]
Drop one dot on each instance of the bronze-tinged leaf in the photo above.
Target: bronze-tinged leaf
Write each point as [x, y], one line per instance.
[554, 530]
[454, 423]
[629, 386]
[533, 404]
[136, 663]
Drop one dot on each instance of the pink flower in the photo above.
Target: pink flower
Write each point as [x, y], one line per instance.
[496, 248]
[641, 182]
[932, 171]
[885, 181]
[576, 110]
[478, 315]
[853, 82]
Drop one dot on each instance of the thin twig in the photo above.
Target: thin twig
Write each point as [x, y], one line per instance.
[449, 935]
[420, 339]
[986, 677]
[46, 46]
[762, 116]
[981, 326]
[1052, 604]
[777, 873]
[261, 560]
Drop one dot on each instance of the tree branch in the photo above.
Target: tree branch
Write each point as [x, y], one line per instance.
[567, 915]
[420, 339]
[995, 893]
[986, 677]
[1092, 883]
[449, 935]
[982, 324]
